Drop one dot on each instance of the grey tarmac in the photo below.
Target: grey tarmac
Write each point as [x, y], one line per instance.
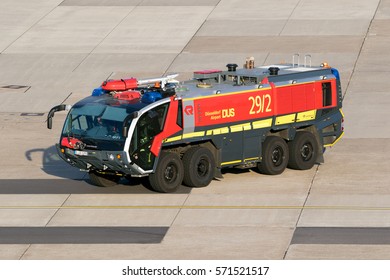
[54, 52]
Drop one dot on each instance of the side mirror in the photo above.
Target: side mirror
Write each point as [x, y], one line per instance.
[50, 115]
[49, 122]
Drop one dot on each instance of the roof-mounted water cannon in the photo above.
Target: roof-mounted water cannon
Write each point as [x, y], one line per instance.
[162, 80]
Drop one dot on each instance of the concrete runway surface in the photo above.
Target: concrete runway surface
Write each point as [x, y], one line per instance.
[54, 51]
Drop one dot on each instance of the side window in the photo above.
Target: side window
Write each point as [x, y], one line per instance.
[326, 94]
[179, 119]
[161, 111]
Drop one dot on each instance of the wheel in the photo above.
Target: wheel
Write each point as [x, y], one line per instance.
[274, 156]
[169, 173]
[199, 166]
[303, 151]
[101, 180]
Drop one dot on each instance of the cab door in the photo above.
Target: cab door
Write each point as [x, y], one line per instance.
[149, 124]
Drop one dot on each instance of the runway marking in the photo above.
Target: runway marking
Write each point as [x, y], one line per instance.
[342, 235]
[238, 207]
[82, 235]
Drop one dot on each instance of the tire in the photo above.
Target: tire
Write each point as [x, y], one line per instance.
[303, 151]
[169, 173]
[274, 156]
[101, 180]
[199, 166]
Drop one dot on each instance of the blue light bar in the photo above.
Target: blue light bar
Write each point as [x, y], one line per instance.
[335, 72]
[98, 91]
[151, 96]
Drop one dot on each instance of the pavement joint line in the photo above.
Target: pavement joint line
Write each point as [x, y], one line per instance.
[360, 51]
[234, 207]
[289, 17]
[178, 212]
[28, 29]
[105, 37]
[194, 35]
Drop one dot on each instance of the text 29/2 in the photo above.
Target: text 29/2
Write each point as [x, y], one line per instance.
[241, 270]
[260, 104]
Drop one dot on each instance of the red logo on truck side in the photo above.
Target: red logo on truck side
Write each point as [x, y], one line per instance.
[189, 110]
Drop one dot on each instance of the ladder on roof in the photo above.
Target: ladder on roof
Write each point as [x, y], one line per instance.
[307, 59]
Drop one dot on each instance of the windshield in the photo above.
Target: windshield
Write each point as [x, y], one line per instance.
[97, 126]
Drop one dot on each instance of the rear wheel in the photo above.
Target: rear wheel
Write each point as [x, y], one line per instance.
[102, 180]
[274, 156]
[303, 151]
[199, 166]
[169, 173]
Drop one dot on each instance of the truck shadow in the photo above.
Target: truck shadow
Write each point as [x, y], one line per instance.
[65, 179]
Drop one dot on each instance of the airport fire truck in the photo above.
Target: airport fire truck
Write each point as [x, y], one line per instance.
[269, 117]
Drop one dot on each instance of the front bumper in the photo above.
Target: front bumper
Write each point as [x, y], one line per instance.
[114, 162]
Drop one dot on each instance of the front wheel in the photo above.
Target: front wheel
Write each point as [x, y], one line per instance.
[169, 173]
[274, 156]
[102, 180]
